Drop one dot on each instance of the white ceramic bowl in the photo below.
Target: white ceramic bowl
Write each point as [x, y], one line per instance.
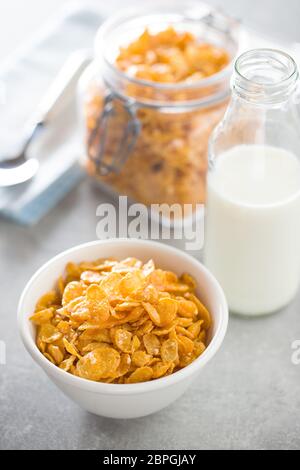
[132, 400]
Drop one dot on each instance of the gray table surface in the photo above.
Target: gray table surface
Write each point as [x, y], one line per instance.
[248, 397]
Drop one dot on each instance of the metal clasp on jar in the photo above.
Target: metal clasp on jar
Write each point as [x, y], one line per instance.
[99, 136]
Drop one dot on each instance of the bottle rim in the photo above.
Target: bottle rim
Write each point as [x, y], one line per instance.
[276, 82]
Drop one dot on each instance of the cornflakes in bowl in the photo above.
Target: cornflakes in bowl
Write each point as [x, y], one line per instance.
[121, 321]
[124, 332]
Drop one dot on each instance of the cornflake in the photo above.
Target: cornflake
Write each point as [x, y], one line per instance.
[121, 322]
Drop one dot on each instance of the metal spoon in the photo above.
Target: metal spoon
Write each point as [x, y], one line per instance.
[17, 168]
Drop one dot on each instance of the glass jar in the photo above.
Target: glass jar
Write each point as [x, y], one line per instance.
[253, 187]
[145, 139]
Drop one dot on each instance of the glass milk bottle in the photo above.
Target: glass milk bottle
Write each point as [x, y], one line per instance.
[252, 240]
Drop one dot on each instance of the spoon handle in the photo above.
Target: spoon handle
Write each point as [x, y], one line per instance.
[62, 89]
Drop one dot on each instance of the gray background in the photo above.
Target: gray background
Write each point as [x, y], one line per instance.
[248, 397]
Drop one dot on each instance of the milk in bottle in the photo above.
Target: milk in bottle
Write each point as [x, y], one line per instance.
[252, 228]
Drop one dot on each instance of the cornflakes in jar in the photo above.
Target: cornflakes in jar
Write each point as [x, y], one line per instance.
[151, 101]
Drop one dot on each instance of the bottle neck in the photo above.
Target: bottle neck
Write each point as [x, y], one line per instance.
[265, 77]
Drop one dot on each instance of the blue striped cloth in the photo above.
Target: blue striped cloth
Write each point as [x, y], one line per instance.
[25, 77]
